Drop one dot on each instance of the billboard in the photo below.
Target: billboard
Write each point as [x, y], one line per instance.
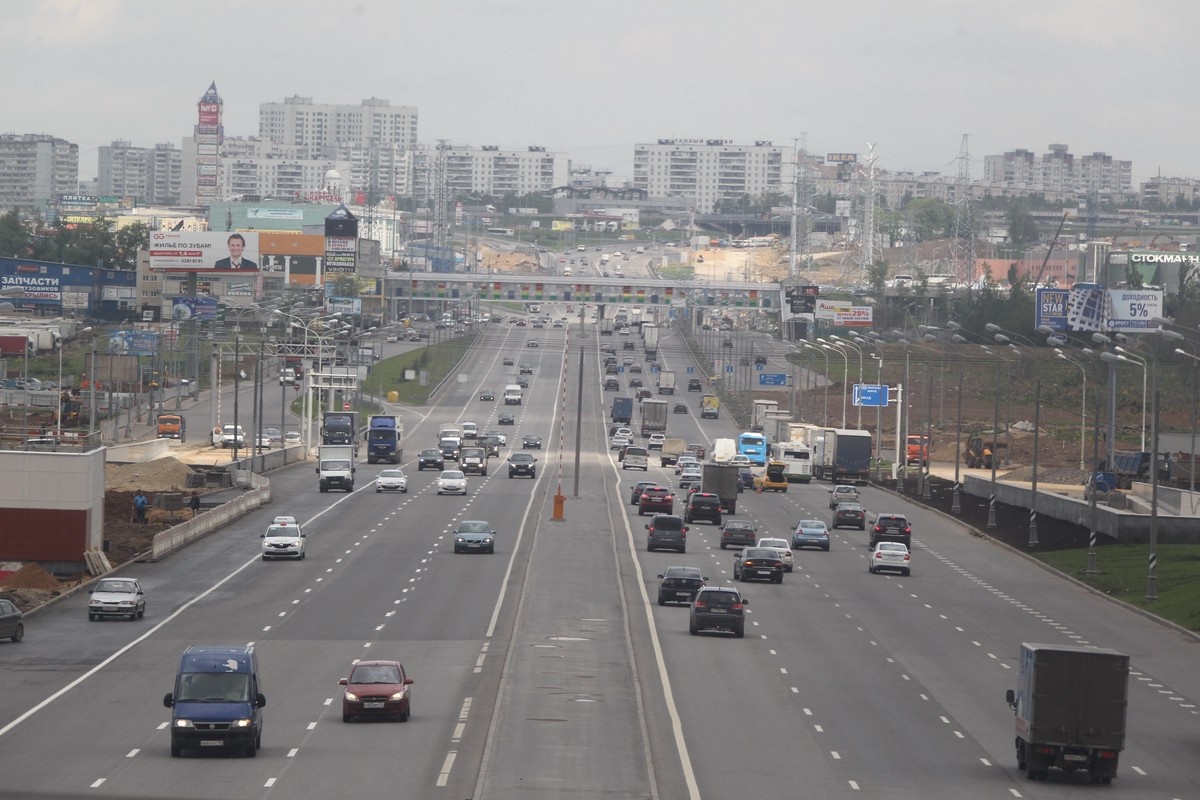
[198, 308]
[133, 343]
[1092, 307]
[341, 241]
[842, 314]
[204, 251]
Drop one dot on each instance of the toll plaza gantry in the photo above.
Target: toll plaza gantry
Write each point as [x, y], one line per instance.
[557, 288]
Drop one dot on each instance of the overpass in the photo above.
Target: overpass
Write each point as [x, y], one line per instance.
[559, 288]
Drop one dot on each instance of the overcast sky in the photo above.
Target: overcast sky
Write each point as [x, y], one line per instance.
[592, 79]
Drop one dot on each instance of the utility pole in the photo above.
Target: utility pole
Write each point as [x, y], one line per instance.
[868, 232]
[963, 240]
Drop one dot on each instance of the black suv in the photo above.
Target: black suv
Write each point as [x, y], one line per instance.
[891, 528]
[679, 585]
[705, 506]
[760, 360]
[718, 608]
[431, 459]
[522, 464]
[695, 385]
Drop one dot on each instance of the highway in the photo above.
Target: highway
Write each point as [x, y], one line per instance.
[549, 671]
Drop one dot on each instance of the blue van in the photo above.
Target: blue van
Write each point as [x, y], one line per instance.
[218, 700]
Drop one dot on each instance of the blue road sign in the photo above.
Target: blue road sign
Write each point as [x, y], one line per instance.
[729, 369]
[759, 367]
[870, 395]
[772, 379]
[690, 370]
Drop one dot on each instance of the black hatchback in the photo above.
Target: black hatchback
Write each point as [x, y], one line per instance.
[431, 459]
[679, 585]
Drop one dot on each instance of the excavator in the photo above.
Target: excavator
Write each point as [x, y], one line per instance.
[981, 450]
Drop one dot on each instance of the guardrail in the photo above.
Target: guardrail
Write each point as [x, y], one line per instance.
[185, 533]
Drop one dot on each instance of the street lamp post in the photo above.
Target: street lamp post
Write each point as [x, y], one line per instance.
[1195, 404]
[845, 371]
[841, 341]
[1007, 338]
[1082, 402]
[825, 414]
[1141, 362]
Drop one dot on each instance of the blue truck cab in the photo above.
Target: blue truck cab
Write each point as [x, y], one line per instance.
[217, 703]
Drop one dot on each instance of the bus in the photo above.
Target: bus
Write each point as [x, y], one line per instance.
[754, 447]
[797, 456]
[501, 232]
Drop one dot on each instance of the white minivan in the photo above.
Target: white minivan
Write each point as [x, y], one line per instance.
[512, 395]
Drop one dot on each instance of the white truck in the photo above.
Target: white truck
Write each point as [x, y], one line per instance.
[723, 450]
[335, 467]
[512, 395]
[666, 382]
[759, 416]
[450, 431]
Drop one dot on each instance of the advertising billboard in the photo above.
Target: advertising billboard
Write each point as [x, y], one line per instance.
[133, 343]
[198, 308]
[204, 251]
[1092, 307]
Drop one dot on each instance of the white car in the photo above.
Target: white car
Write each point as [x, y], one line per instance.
[690, 477]
[291, 437]
[470, 430]
[393, 337]
[117, 597]
[503, 437]
[890, 555]
[619, 440]
[740, 460]
[391, 480]
[284, 519]
[624, 432]
[656, 441]
[623, 332]
[781, 545]
[685, 462]
[452, 481]
[843, 493]
[283, 540]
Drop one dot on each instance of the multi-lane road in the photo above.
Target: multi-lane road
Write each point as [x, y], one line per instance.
[548, 670]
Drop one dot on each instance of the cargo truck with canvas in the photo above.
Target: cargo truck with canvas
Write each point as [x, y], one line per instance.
[722, 480]
[844, 455]
[672, 449]
[1070, 708]
[666, 382]
[622, 410]
[654, 417]
[650, 337]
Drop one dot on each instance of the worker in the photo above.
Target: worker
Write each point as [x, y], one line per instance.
[139, 506]
[194, 504]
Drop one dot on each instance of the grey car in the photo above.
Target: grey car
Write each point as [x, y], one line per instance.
[738, 533]
[474, 535]
[679, 584]
[117, 597]
[666, 532]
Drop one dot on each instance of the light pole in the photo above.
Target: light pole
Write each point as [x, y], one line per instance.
[825, 415]
[1082, 402]
[63, 346]
[841, 341]
[1093, 533]
[1141, 362]
[845, 371]
[1006, 337]
[1195, 403]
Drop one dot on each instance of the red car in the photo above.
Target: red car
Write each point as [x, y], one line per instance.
[376, 689]
[657, 500]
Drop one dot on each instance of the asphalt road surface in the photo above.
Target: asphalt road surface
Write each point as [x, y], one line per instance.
[548, 670]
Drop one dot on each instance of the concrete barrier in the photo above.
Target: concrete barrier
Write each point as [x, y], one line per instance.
[179, 536]
[137, 452]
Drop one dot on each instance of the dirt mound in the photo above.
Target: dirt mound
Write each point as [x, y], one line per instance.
[167, 474]
[30, 576]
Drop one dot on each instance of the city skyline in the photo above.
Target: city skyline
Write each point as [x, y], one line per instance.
[594, 85]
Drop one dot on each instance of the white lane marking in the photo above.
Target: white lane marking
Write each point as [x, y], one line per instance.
[444, 775]
[133, 752]
[97, 783]
[458, 732]
[270, 782]
[1138, 770]
[292, 752]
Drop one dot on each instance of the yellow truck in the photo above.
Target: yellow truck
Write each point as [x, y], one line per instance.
[773, 478]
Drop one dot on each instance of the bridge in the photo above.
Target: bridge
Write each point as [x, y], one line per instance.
[558, 288]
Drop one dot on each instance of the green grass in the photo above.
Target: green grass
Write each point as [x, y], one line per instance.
[437, 360]
[1122, 570]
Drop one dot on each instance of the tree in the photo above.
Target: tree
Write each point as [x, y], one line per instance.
[14, 236]
[929, 218]
[1022, 229]
[126, 243]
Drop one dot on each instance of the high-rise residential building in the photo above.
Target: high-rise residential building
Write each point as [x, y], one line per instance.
[487, 171]
[149, 174]
[709, 170]
[298, 121]
[254, 167]
[1058, 173]
[35, 169]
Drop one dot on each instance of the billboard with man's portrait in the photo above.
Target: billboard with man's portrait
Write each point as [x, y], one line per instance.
[204, 251]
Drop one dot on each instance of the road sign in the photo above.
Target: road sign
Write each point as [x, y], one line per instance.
[870, 395]
[717, 364]
[345, 406]
[690, 370]
[729, 369]
[760, 367]
[772, 379]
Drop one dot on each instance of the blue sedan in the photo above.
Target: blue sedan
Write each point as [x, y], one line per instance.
[810, 533]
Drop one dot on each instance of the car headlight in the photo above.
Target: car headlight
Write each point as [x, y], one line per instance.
[460, 540]
[184, 723]
[398, 695]
[352, 697]
[242, 723]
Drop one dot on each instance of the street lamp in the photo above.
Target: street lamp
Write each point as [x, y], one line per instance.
[1006, 337]
[841, 341]
[810, 346]
[1082, 402]
[62, 345]
[1141, 362]
[835, 346]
